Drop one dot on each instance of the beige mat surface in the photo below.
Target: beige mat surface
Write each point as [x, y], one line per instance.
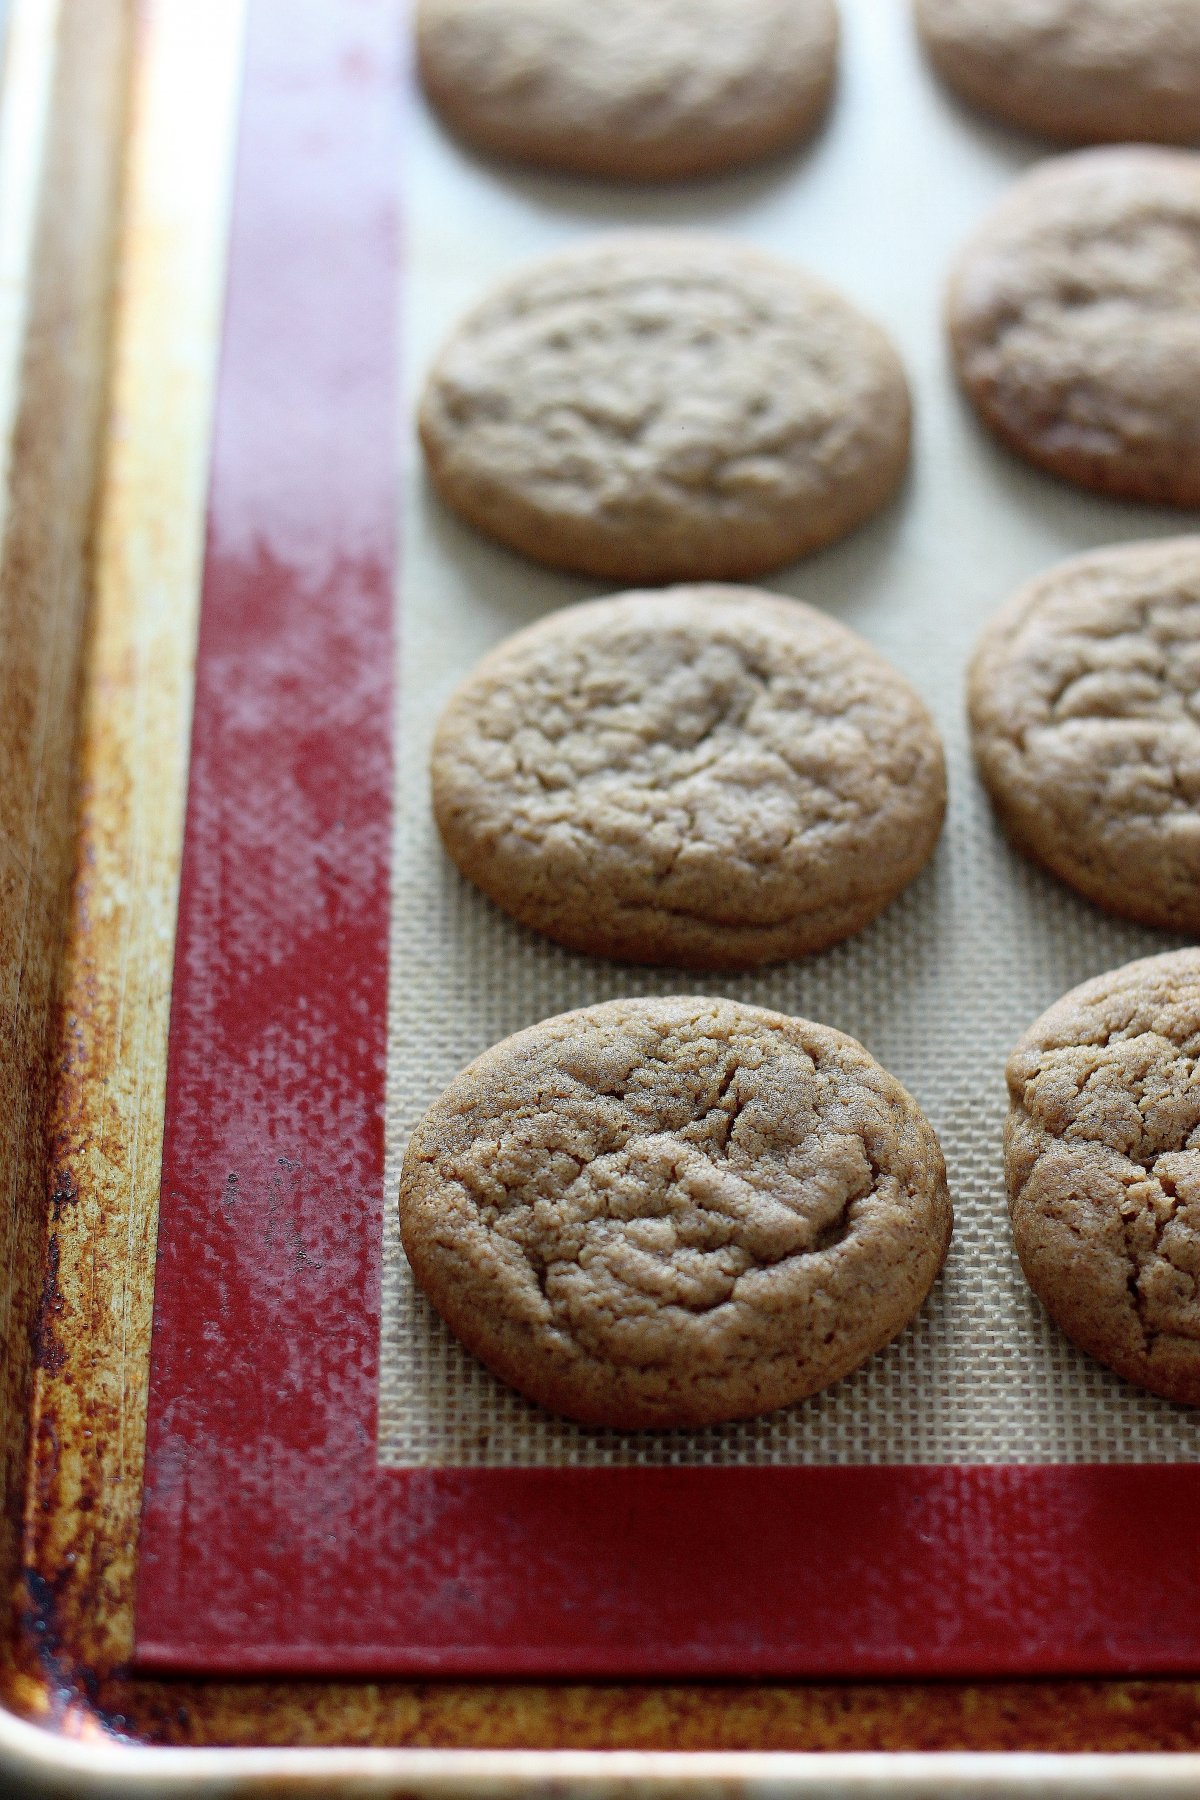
[938, 988]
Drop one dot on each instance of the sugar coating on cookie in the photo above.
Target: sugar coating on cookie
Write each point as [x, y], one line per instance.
[1084, 71]
[706, 776]
[658, 1213]
[639, 90]
[1084, 697]
[1102, 1155]
[1074, 315]
[657, 408]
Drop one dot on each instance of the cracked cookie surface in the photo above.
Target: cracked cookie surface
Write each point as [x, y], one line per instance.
[657, 1213]
[658, 408]
[706, 776]
[1086, 71]
[1074, 316]
[1102, 1157]
[639, 90]
[1084, 697]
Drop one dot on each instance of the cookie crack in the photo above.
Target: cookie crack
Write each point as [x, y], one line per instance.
[1138, 1257]
[1142, 1258]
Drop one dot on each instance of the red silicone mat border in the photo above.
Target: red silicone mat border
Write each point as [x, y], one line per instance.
[271, 1541]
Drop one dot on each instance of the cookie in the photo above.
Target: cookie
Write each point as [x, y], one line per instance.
[704, 776]
[658, 408]
[659, 1213]
[1084, 696]
[1102, 1156]
[1075, 321]
[1084, 71]
[640, 90]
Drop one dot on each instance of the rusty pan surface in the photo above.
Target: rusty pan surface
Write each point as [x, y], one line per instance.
[112, 245]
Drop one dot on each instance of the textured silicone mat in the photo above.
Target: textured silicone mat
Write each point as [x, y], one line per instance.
[340, 1547]
[942, 985]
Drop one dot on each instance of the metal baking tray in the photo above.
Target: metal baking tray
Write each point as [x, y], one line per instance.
[117, 130]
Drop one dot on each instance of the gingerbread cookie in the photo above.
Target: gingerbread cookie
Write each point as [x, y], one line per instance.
[1085, 71]
[1075, 321]
[1084, 698]
[659, 1213]
[640, 90]
[1102, 1155]
[657, 408]
[705, 776]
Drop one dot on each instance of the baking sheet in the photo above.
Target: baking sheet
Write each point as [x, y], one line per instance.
[941, 986]
[262, 1442]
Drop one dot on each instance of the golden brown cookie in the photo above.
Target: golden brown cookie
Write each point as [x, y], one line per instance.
[658, 408]
[1074, 316]
[1102, 1156]
[1085, 71]
[640, 90]
[705, 776]
[661, 1213]
[1084, 697]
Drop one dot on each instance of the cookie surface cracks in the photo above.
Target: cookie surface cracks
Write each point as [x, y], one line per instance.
[707, 776]
[1084, 698]
[657, 408]
[671, 1212]
[640, 90]
[1074, 316]
[1102, 1154]
[1086, 71]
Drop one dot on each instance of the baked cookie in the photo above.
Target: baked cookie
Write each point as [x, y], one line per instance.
[1102, 1156]
[1085, 71]
[1084, 696]
[1075, 321]
[704, 776]
[656, 408]
[643, 90]
[672, 1212]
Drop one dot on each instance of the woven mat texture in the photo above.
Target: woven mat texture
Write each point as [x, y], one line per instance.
[940, 987]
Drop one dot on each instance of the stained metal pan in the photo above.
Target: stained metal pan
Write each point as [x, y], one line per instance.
[116, 141]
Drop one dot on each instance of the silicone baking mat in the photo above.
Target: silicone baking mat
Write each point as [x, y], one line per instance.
[332, 1483]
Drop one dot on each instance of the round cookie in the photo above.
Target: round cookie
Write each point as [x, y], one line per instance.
[1084, 697]
[1084, 71]
[1102, 1158]
[704, 776]
[657, 408]
[640, 90]
[659, 1213]
[1074, 316]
